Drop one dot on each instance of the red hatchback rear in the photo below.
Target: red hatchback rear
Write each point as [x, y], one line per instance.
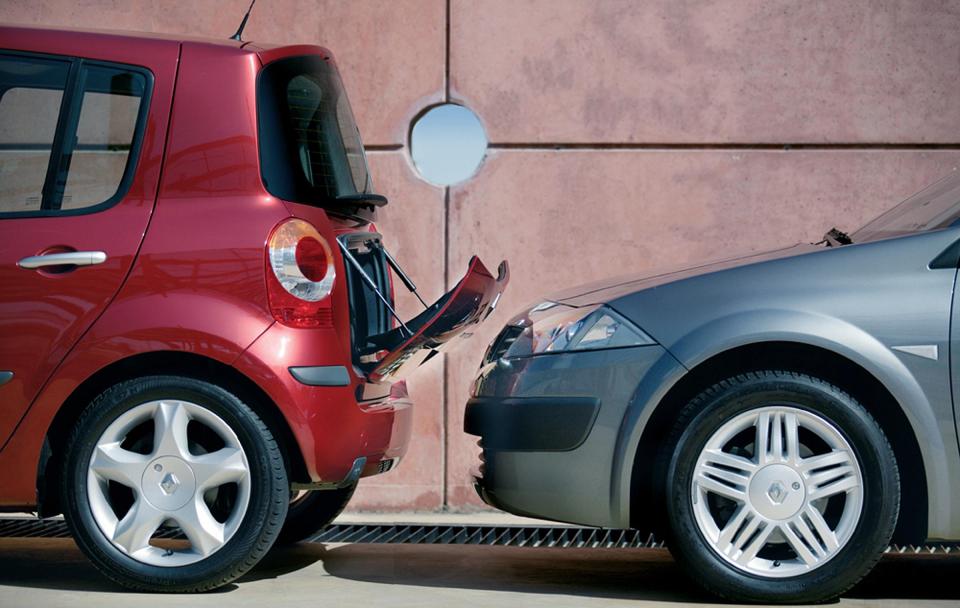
[198, 348]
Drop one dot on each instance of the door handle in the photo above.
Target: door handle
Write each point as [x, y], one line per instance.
[70, 258]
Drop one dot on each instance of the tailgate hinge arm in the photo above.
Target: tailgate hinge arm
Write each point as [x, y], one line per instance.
[366, 278]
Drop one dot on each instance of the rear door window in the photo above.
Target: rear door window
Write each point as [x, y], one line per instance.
[31, 96]
[68, 133]
[104, 136]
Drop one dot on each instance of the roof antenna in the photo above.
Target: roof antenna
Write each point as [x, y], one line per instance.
[243, 23]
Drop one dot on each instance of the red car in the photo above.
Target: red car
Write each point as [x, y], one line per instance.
[199, 352]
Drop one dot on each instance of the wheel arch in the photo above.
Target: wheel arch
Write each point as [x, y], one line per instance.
[803, 357]
[149, 364]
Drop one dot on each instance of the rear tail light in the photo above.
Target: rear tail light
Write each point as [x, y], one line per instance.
[301, 275]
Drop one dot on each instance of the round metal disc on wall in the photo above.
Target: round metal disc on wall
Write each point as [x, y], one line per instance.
[447, 144]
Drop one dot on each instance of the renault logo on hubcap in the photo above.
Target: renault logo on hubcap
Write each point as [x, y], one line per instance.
[777, 492]
[169, 484]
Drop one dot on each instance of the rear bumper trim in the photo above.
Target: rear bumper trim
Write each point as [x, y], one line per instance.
[353, 475]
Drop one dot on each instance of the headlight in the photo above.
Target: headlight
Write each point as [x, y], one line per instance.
[551, 328]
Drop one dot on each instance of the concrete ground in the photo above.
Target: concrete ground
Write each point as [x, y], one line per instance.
[52, 572]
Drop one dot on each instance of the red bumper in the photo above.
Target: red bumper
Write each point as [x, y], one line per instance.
[332, 425]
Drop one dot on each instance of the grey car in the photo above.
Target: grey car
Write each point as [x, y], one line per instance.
[780, 418]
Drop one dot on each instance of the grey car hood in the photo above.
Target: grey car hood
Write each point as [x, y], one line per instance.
[610, 289]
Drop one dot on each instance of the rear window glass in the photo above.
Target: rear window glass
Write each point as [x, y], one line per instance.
[310, 148]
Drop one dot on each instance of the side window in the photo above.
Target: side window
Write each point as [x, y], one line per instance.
[65, 141]
[31, 93]
[104, 136]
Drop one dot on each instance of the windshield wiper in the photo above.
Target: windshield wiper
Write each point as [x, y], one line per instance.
[362, 199]
[350, 203]
[836, 238]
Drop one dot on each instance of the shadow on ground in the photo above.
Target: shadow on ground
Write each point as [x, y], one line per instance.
[638, 574]
[602, 573]
[617, 574]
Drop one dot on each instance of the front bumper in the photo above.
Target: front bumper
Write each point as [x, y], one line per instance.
[549, 426]
[334, 423]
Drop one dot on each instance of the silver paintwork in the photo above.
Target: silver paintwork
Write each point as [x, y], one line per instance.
[540, 482]
[170, 486]
[780, 493]
[860, 301]
[928, 351]
[70, 258]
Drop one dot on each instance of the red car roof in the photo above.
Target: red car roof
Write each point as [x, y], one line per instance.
[49, 34]
[86, 43]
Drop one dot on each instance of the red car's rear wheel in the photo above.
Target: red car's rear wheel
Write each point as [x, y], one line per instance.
[161, 457]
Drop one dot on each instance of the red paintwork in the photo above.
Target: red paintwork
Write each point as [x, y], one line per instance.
[200, 217]
[472, 300]
[42, 315]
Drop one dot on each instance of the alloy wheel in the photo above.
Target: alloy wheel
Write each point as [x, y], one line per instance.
[777, 491]
[168, 464]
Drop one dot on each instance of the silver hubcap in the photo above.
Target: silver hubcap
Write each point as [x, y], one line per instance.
[777, 491]
[200, 485]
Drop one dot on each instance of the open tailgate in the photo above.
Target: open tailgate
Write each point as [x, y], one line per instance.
[472, 299]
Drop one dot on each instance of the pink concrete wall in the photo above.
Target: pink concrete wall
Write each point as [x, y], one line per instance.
[748, 71]
[626, 136]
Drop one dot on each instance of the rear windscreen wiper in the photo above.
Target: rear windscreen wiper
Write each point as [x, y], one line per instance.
[347, 205]
[362, 199]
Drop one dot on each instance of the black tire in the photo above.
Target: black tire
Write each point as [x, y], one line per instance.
[881, 487]
[312, 513]
[259, 527]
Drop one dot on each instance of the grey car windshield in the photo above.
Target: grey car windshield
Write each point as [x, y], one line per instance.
[936, 206]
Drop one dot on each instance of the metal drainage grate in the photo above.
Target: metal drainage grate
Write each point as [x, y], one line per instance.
[931, 549]
[22, 527]
[512, 536]
[507, 536]
[33, 528]
[515, 536]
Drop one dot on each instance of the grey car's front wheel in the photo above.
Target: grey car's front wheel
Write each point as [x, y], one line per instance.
[781, 488]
